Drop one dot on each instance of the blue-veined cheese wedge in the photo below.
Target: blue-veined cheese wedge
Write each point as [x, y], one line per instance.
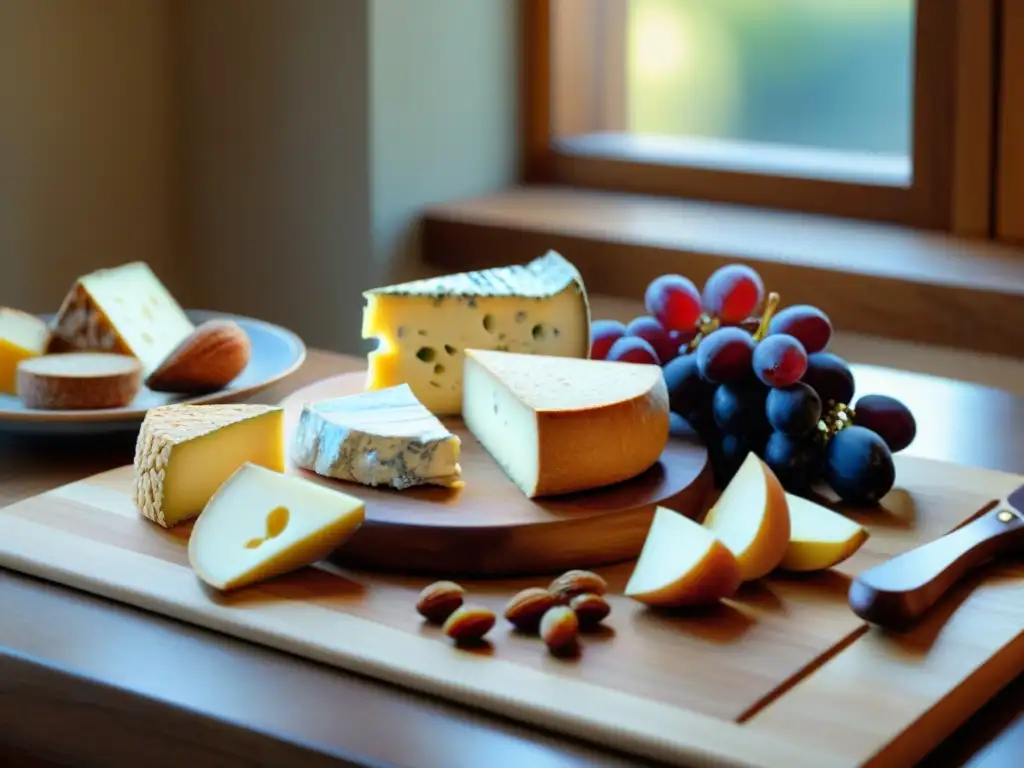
[424, 327]
[381, 438]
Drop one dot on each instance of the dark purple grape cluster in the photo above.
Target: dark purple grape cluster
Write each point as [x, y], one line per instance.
[748, 376]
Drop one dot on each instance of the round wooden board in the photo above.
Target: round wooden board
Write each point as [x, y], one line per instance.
[489, 528]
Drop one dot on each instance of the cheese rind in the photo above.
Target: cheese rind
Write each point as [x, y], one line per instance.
[561, 425]
[125, 310]
[424, 327]
[22, 337]
[185, 452]
[385, 437]
[79, 381]
[261, 524]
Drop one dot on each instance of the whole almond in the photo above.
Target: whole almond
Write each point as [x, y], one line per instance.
[572, 583]
[559, 628]
[439, 600]
[469, 623]
[526, 608]
[208, 359]
[590, 609]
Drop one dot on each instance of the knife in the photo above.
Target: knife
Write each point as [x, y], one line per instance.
[898, 592]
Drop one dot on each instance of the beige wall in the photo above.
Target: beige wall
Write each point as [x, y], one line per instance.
[86, 162]
[266, 157]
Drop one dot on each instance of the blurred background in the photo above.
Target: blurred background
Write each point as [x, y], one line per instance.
[828, 74]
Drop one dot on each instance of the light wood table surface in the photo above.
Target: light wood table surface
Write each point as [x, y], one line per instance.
[85, 681]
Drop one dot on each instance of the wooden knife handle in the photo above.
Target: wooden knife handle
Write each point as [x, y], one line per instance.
[899, 591]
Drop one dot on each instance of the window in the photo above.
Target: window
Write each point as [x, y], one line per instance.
[878, 109]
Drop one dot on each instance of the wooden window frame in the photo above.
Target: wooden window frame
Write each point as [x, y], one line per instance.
[1010, 182]
[952, 186]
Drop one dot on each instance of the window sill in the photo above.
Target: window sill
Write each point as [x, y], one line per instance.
[876, 279]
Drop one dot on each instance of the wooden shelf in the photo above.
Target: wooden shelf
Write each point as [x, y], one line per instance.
[878, 279]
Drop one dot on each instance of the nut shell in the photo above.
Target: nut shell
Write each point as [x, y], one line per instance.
[440, 600]
[207, 360]
[469, 623]
[525, 609]
[559, 628]
[590, 609]
[572, 583]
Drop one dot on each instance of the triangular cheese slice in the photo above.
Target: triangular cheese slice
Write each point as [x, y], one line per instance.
[424, 327]
[185, 452]
[559, 425]
[125, 310]
[22, 337]
[261, 524]
[385, 437]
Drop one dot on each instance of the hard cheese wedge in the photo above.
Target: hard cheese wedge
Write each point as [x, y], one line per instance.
[126, 310]
[424, 327]
[185, 452]
[819, 538]
[385, 437]
[22, 337]
[558, 425]
[260, 524]
[682, 564]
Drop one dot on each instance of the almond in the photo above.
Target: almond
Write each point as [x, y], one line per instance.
[526, 608]
[469, 623]
[572, 583]
[590, 609]
[559, 628]
[205, 361]
[440, 600]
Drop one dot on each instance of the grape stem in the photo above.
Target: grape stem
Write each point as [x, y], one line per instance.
[769, 309]
[836, 418]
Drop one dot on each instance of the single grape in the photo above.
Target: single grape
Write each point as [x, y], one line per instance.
[793, 410]
[724, 355]
[887, 417]
[829, 376]
[687, 390]
[680, 428]
[796, 461]
[631, 349]
[808, 325]
[780, 360]
[674, 301]
[859, 466]
[651, 331]
[732, 293]
[604, 333]
[739, 409]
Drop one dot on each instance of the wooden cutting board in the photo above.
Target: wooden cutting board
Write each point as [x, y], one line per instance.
[784, 676]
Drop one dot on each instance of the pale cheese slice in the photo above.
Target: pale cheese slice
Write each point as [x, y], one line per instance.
[385, 437]
[559, 425]
[126, 310]
[185, 452]
[260, 524]
[22, 337]
[424, 327]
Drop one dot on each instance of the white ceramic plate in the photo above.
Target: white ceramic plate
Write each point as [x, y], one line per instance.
[276, 352]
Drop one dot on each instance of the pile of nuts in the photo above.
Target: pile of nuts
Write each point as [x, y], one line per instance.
[573, 601]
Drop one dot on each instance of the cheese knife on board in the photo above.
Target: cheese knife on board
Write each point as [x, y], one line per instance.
[898, 592]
